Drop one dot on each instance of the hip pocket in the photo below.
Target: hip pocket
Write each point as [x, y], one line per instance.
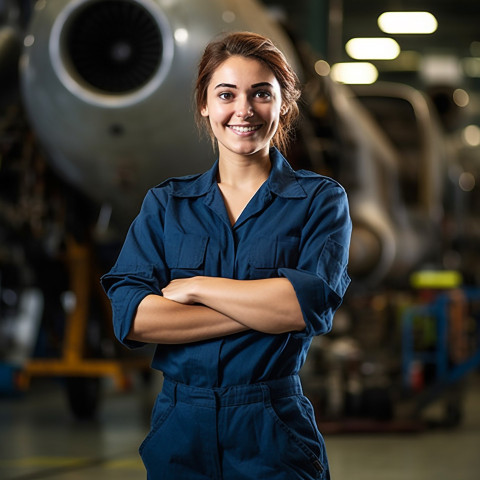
[299, 440]
[161, 411]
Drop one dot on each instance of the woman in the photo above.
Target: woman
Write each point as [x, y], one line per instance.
[231, 273]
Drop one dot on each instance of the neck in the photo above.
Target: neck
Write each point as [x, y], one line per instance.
[244, 171]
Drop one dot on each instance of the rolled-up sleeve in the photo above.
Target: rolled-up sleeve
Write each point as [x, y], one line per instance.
[140, 269]
[321, 279]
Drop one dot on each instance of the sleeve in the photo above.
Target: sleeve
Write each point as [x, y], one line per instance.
[321, 279]
[140, 269]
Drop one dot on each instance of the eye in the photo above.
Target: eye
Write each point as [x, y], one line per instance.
[225, 95]
[263, 94]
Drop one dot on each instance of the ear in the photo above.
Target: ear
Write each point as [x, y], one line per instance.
[284, 110]
[204, 111]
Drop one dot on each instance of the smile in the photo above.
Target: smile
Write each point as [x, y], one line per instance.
[240, 129]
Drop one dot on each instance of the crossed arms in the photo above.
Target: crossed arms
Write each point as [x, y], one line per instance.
[200, 308]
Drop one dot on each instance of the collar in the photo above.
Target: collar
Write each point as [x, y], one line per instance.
[282, 180]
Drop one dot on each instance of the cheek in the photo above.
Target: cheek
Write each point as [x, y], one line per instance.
[272, 113]
[275, 121]
[220, 114]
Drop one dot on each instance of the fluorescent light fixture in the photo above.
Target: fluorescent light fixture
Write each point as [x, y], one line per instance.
[358, 73]
[372, 48]
[407, 22]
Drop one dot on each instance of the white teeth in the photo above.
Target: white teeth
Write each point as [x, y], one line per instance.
[244, 129]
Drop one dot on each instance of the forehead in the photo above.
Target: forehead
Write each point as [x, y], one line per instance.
[242, 71]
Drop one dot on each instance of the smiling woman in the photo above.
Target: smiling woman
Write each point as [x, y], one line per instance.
[265, 53]
[243, 107]
[231, 273]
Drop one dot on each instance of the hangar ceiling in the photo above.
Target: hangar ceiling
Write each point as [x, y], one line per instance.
[458, 23]
[450, 56]
[456, 40]
[328, 25]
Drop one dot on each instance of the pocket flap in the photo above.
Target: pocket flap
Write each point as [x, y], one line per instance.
[275, 252]
[185, 250]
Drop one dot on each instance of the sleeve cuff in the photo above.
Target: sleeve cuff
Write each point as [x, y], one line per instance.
[317, 300]
[124, 312]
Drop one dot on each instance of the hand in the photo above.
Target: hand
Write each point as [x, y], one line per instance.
[180, 290]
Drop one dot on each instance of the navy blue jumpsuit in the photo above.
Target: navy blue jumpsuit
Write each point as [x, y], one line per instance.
[232, 408]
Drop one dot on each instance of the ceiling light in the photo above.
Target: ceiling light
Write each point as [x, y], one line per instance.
[373, 48]
[354, 73]
[407, 22]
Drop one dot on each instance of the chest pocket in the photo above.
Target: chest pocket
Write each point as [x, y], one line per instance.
[270, 254]
[185, 255]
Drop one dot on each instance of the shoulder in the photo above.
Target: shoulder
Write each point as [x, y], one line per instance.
[315, 183]
[172, 187]
[159, 196]
[174, 184]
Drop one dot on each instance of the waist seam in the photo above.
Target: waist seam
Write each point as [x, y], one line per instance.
[234, 395]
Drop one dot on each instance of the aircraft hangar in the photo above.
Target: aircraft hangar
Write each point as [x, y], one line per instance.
[97, 108]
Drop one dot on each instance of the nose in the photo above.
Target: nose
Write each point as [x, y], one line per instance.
[244, 109]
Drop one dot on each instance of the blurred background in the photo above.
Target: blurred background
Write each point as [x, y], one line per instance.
[96, 107]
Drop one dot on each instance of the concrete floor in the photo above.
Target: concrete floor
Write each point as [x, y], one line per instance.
[40, 440]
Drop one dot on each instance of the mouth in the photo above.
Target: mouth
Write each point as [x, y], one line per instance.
[244, 128]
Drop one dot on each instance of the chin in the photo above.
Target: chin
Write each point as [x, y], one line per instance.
[248, 150]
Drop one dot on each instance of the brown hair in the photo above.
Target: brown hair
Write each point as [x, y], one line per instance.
[257, 47]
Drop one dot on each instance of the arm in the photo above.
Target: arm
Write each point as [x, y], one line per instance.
[160, 320]
[267, 305]
[321, 278]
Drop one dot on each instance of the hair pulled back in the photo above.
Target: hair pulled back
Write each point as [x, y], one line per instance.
[257, 47]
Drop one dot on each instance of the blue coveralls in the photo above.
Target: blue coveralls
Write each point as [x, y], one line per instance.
[232, 408]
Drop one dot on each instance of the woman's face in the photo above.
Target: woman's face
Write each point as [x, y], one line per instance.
[244, 103]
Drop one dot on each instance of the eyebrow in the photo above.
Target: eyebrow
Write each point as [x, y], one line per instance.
[255, 85]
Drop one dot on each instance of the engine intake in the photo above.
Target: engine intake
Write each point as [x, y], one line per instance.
[114, 46]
